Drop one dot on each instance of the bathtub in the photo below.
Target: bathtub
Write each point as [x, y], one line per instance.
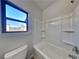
[18, 53]
[45, 50]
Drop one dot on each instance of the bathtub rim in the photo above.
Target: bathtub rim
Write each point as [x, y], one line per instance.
[51, 44]
[15, 51]
[38, 49]
[45, 56]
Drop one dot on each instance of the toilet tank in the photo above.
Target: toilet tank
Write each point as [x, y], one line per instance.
[18, 53]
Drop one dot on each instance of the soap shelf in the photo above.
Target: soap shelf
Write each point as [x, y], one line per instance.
[69, 31]
[68, 43]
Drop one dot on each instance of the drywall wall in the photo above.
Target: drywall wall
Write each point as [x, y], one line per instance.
[55, 10]
[9, 41]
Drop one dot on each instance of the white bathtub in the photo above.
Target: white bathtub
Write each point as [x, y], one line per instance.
[18, 53]
[45, 50]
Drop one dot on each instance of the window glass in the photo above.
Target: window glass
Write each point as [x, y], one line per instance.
[15, 26]
[15, 13]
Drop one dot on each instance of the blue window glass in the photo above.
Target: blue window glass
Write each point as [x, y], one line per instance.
[14, 19]
[14, 13]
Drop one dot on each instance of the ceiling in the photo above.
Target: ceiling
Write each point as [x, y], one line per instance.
[43, 4]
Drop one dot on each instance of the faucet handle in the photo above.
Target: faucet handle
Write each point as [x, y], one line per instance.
[75, 48]
[72, 56]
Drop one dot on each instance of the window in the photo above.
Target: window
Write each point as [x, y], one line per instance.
[14, 19]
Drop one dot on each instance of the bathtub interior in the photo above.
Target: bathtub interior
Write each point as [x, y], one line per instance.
[45, 50]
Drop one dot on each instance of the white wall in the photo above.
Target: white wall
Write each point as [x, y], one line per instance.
[58, 9]
[76, 26]
[10, 41]
[55, 31]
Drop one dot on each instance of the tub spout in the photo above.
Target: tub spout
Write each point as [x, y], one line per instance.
[72, 56]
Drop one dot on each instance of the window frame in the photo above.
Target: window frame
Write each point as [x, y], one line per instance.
[4, 18]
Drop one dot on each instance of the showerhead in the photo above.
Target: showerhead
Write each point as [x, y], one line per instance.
[72, 1]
